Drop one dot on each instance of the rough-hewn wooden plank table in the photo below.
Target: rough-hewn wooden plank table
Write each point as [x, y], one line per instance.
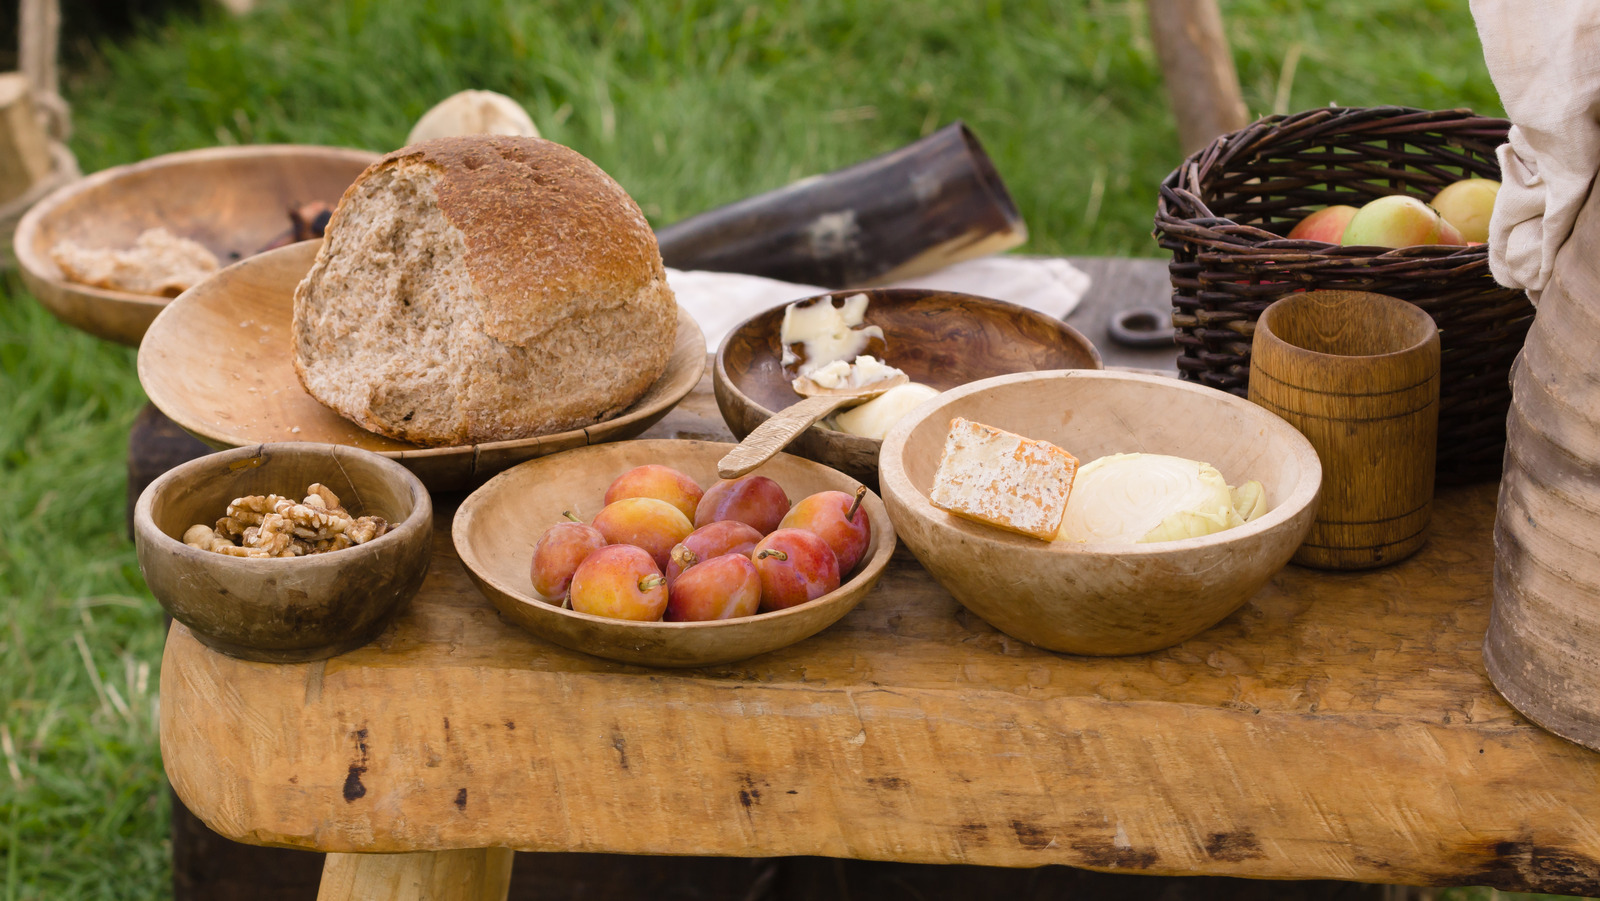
[1338, 726]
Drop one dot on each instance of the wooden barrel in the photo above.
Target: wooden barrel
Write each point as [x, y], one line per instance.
[1358, 375]
[1543, 647]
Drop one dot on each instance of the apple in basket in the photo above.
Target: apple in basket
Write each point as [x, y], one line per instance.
[1326, 225]
[1467, 205]
[1398, 221]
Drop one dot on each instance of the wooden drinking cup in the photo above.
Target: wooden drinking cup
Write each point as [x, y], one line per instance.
[1358, 375]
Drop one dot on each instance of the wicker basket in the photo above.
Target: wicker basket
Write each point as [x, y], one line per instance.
[1224, 212]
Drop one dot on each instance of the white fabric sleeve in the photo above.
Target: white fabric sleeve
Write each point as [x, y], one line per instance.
[1544, 57]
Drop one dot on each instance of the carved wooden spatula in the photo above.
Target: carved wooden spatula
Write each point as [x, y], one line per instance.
[776, 433]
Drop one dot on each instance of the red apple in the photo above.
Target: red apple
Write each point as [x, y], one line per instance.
[1326, 225]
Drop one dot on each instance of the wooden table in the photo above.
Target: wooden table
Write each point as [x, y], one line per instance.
[1339, 726]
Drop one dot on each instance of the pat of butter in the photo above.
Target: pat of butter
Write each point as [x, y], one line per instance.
[876, 417]
[867, 370]
[828, 333]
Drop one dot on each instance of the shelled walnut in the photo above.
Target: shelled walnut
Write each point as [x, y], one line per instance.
[272, 525]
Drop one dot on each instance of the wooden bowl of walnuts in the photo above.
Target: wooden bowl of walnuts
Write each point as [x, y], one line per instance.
[285, 552]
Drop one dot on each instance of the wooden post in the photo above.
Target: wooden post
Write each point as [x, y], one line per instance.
[39, 37]
[1197, 65]
[24, 148]
[477, 874]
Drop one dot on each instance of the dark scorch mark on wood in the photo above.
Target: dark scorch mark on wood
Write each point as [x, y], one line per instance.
[353, 789]
[1233, 846]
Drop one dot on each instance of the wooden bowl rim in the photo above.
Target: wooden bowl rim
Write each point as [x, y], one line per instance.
[720, 368]
[884, 541]
[179, 414]
[894, 480]
[47, 271]
[1413, 315]
[421, 517]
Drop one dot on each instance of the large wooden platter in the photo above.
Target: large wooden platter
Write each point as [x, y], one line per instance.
[1337, 726]
[217, 361]
[234, 200]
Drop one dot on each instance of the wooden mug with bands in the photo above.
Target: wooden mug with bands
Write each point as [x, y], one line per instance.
[1358, 375]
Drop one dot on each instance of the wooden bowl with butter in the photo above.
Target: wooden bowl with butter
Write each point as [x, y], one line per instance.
[941, 339]
[1100, 598]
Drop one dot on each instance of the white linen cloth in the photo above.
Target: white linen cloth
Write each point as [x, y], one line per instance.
[718, 301]
[1544, 58]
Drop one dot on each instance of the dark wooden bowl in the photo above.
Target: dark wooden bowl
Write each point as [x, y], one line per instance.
[233, 200]
[292, 609]
[939, 338]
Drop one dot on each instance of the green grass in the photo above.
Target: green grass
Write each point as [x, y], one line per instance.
[688, 105]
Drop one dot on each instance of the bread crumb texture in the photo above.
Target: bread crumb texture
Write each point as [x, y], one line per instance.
[1003, 479]
[483, 288]
[160, 264]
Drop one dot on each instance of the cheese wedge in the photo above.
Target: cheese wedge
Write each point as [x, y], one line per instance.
[996, 477]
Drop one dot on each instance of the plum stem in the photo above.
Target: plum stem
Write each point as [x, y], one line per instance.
[568, 514]
[654, 580]
[861, 494]
[684, 557]
[771, 552]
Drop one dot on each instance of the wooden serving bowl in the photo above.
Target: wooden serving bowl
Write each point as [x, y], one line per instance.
[284, 610]
[497, 526]
[1105, 599]
[940, 338]
[218, 362]
[234, 200]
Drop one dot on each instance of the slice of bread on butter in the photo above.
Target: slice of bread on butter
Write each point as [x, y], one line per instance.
[1003, 479]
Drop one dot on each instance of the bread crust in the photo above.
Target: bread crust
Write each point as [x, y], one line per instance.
[574, 319]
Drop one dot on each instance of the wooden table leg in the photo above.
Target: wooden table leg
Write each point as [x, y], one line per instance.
[477, 874]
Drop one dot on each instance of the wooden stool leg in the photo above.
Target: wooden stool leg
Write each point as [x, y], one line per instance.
[477, 874]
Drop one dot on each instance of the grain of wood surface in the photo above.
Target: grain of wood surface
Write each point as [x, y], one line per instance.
[1337, 726]
[1358, 374]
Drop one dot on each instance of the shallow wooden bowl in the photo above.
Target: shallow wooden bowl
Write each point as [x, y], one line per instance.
[292, 609]
[234, 200]
[939, 338]
[218, 362]
[1096, 598]
[497, 526]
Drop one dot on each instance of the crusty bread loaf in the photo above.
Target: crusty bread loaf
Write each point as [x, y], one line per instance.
[483, 288]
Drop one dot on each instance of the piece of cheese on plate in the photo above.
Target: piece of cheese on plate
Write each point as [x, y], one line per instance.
[1003, 479]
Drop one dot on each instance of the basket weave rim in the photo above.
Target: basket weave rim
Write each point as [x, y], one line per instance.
[1181, 188]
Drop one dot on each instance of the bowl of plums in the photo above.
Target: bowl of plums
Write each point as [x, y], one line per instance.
[636, 552]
